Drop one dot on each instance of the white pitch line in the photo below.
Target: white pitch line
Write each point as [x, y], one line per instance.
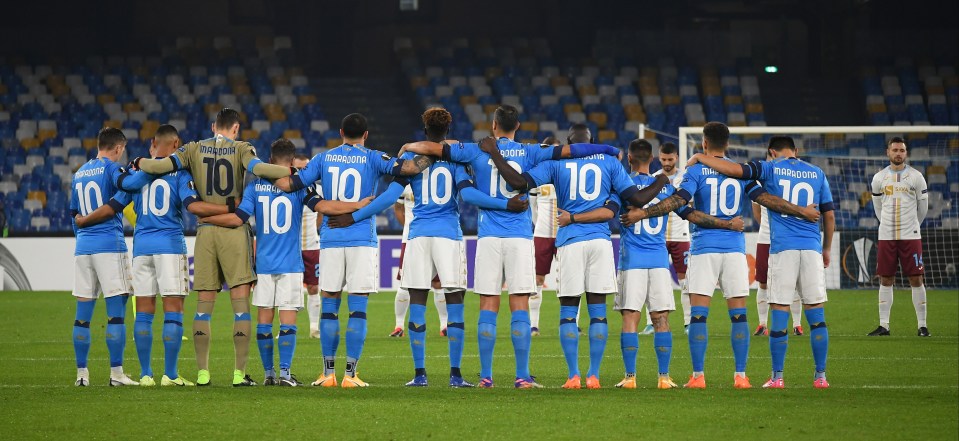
[644, 357]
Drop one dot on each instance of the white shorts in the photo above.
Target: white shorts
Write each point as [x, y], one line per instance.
[652, 287]
[280, 291]
[108, 273]
[793, 272]
[730, 270]
[163, 274]
[427, 257]
[586, 266]
[353, 269]
[512, 258]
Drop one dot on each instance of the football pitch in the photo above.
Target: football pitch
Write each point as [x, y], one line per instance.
[897, 387]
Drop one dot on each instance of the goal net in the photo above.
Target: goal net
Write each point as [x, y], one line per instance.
[850, 156]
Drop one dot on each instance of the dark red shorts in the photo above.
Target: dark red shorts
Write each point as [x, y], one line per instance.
[678, 253]
[545, 251]
[892, 253]
[311, 267]
[762, 262]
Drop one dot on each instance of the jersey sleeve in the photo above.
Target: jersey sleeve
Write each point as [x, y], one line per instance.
[688, 186]
[310, 174]
[825, 196]
[542, 152]
[876, 186]
[119, 200]
[619, 178]
[922, 191]
[182, 156]
[186, 187]
[462, 152]
[381, 162]
[542, 173]
[247, 153]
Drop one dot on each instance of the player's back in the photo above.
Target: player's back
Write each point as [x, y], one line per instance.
[92, 187]
[218, 167]
[350, 173]
[582, 185]
[720, 196]
[802, 184]
[522, 157]
[159, 210]
[643, 245]
[278, 218]
[435, 206]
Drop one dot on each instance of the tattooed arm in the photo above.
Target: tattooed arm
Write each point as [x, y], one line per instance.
[780, 205]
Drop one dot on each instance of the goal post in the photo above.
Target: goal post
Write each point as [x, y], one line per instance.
[850, 156]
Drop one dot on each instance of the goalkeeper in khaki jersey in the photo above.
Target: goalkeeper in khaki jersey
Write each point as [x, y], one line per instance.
[218, 165]
[279, 263]
[901, 203]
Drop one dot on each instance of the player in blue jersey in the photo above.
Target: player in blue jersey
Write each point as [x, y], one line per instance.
[719, 255]
[101, 263]
[588, 186]
[160, 258]
[279, 261]
[350, 253]
[505, 244]
[798, 250]
[644, 277]
[435, 247]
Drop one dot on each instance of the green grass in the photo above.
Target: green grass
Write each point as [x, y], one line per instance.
[898, 387]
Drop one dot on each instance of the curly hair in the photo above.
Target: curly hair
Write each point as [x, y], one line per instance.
[437, 121]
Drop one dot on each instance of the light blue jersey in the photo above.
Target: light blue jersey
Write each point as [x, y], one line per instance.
[97, 183]
[347, 173]
[159, 208]
[720, 196]
[800, 183]
[523, 157]
[643, 245]
[435, 207]
[583, 184]
[278, 216]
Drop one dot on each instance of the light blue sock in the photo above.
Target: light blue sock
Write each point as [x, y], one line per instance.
[598, 334]
[663, 342]
[569, 338]
[455, 332]
[486, 332]
[81, 332]
[287, 342]
[417, 328]
[629, 344]
[116, 334]
[698, 336]
[264, 342]
[818, 337]
[329, 332]
[739, 337]
[520, 334]
[172, 341]
[143, 339]
[778, 339]
[355, 332]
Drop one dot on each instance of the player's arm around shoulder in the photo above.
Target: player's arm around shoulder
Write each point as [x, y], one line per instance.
[259, 168]
[104, 212]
